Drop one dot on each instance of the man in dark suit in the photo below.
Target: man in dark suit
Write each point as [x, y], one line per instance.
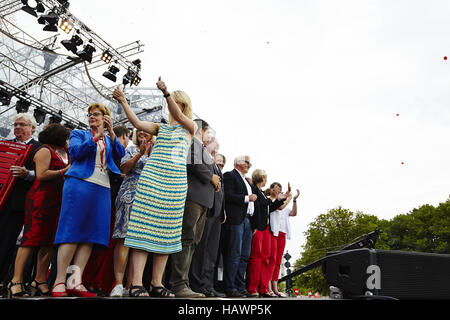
[202, 183]
[201, 274]
[13, 212]
[239, 207]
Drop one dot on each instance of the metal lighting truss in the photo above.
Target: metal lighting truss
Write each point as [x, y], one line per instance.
[57, 83]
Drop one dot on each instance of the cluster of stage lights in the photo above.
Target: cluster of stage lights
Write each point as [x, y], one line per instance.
[50, 20]
[23, 106]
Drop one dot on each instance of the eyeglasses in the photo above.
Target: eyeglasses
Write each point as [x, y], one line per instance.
[21, 124]
[95, 114]
[248, 163]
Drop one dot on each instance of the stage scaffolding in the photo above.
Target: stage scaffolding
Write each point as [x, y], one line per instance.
[52, 79]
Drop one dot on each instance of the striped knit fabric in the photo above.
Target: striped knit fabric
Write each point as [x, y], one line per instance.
[156, 217]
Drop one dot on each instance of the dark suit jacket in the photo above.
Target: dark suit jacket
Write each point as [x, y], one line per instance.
[199, 173]
[21, 187]
[218, 207]
[235, 192]
[263, 207]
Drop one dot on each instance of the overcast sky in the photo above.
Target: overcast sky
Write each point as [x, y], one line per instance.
[346, 100]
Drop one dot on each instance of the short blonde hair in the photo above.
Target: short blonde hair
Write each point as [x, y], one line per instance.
[258, 176]
[104, 109]
[181, 97]
[135, 140]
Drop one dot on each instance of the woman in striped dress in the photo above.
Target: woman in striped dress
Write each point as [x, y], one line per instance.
[157, 215]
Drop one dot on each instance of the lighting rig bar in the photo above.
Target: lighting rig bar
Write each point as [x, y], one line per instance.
[92, 41]
[39, 105]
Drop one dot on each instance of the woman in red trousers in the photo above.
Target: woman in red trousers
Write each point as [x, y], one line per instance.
[280, 229]
[258, 270]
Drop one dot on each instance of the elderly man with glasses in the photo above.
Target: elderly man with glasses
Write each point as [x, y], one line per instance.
[239, 207]
[13, 212]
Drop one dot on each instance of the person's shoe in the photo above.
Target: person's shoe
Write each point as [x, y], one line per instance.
[74, 292]
[117, 291]
[252, 295]
[206, 292]
[98, 292]
[235, 294]
[267, 295]
[281, 295]
[59, 294]
[246, 294]
[215, 293]
[188, 293]
[125, 292]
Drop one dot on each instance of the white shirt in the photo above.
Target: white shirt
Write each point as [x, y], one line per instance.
[279, 222]
[251, 205]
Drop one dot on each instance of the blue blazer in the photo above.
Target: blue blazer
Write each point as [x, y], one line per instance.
[82, 152]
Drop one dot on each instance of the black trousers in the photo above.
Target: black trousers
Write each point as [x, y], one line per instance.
[11, 223]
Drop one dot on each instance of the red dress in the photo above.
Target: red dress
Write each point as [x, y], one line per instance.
[42, 206]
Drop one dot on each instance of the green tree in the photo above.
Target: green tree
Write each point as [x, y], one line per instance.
[425, 229]
[330, 232]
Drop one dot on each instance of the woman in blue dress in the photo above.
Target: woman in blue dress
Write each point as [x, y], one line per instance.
[86, 202]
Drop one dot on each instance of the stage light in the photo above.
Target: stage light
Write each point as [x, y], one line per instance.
[111, 73]
[22, 106]
[50, 20]
[39, 115]
[106, 57]
[66, 26]
[5, 97]
[86, 53]
[55, 118]
[32, 10]
[4, 132]
[129, 76]
[73, 43]
[137, 63]
[136, 80]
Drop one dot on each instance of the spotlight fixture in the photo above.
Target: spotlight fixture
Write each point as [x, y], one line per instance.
[22, 106]
[5, 97]
[136, 80]
[50, 20]
[56, 118]
[106, 57]
[86, 53]
[129, 76]
[4, 132]
[137, 63]
[32, 10]
[111, 73]
[66, 26]
[73, 43]
[39, 115]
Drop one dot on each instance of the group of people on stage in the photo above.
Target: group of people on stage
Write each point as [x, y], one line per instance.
[104, 204]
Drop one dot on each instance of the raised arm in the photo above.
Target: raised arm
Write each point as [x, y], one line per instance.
[174, 109]
[294, 205]
[146, 126]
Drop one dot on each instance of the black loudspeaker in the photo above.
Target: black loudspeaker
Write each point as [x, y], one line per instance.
[395, 274]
